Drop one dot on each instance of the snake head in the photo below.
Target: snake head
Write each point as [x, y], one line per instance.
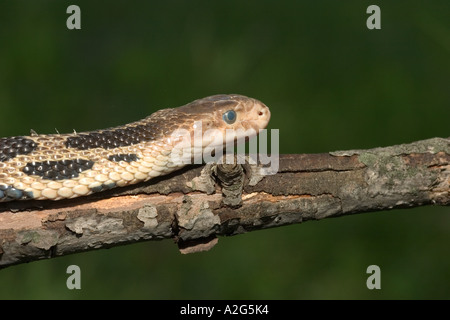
[221, 118]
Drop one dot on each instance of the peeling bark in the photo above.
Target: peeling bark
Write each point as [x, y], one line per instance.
[199, 203]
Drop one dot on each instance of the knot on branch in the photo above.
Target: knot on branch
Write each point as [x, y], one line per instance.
[231, 178]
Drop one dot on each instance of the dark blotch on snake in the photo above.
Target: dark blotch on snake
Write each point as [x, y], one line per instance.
[10, 193]
[103, 187]
[58, 170]
[123, 157]
[14, 146]
[113, 138]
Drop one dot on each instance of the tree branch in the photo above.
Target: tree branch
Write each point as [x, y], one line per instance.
[198, 203]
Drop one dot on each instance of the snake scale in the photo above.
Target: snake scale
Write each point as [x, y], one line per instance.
[62, 166]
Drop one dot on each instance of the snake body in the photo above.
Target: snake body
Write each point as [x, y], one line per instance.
[61, 166]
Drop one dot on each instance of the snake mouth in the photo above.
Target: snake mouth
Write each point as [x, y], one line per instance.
[257, 116]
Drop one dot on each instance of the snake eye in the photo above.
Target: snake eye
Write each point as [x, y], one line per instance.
[229, 116]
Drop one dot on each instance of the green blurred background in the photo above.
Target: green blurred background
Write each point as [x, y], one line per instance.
[331, 84]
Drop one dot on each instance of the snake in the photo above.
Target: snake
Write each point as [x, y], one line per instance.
[64, 166]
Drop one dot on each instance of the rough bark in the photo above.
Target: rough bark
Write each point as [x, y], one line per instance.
[198, 203]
